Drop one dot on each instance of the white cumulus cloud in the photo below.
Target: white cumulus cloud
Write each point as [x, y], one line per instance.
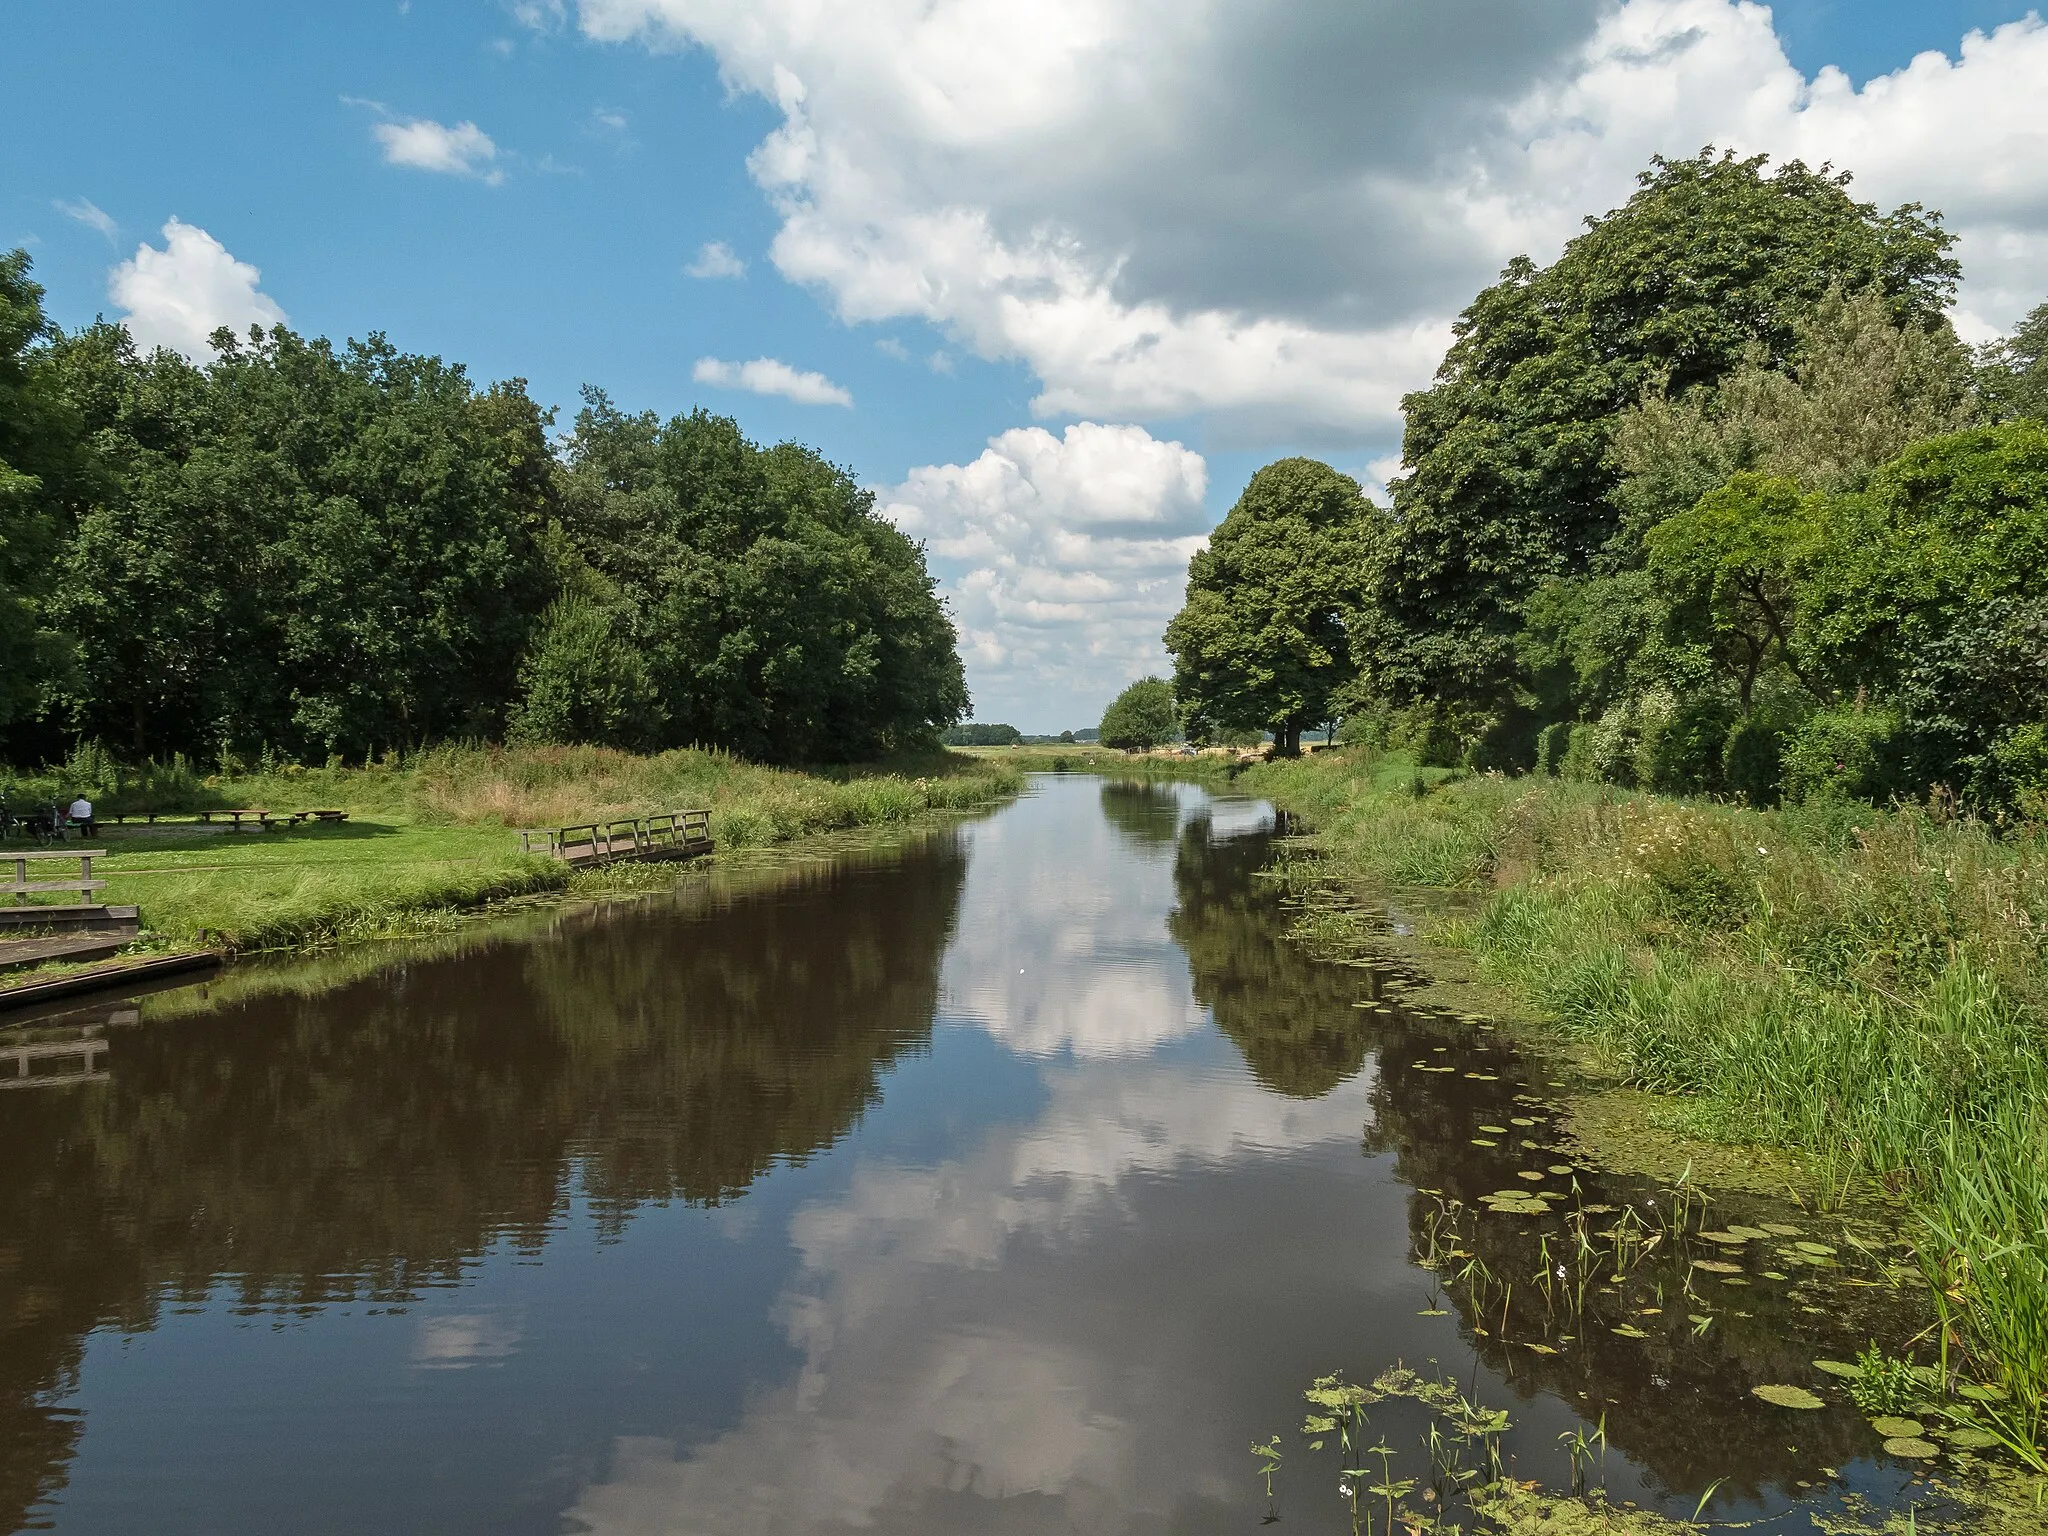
[1062, 556]
[1266, 215]
[769, 376]
[425, 145]
[716, 259]
[178, 296]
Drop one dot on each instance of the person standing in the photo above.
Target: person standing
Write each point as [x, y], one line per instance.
[81, 817]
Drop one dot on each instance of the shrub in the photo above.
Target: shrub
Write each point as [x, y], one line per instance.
[1843, 754]
[1681, 750]
[1577, 763]
[1552, 743]
[1753, 759]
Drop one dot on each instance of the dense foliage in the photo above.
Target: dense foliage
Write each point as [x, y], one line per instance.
[976, 734]
[1716, 503]
[312, 551]
[1261, 643]
[1141, 717]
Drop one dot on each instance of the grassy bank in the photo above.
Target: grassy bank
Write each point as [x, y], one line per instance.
[1869, 986]
[432, 835]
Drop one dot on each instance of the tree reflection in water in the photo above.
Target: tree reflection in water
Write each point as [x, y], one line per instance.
[368, 1141]
[1290, 1015]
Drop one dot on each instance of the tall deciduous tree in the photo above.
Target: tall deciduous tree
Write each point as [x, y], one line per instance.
[1141, 717]
[1261, 642]
[779, 615]
[2014, 372]
[1510, 478]
[43, 470]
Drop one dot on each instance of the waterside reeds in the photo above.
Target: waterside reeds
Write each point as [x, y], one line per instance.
[1871, 986]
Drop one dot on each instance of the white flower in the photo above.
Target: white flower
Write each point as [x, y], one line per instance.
[1760, 848]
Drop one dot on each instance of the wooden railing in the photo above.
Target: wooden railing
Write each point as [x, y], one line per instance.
[673, 834]
[21, 888]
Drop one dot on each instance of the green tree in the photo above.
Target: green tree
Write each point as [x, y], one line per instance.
[318, 549]
[583, 682]
[1863, 385]
[2013, 373]
[1728, 570]
[1929, 589]
[1261, 642]
[43, 471]
[1510, 479]
[1141, 717]
[781, 617]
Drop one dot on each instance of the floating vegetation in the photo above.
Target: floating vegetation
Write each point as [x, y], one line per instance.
[1912, 1450]
[1787, 1397]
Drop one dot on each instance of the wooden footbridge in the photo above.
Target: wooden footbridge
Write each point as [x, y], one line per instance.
[674, 835]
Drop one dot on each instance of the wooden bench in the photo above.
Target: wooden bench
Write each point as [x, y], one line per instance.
[22, 887]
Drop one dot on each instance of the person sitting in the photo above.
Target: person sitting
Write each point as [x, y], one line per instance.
[81, 817]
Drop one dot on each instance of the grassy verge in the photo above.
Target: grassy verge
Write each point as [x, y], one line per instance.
[434, 835]
[1871, 987]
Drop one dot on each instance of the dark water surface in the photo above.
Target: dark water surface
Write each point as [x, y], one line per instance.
[1013, 1179]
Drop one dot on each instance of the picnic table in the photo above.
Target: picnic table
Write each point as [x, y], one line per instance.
[261, 821]
[326, 816]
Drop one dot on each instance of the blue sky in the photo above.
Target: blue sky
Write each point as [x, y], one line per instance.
[1141, 247]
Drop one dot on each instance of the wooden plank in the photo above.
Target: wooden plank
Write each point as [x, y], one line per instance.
[81, 886]
[68, 853]
[115, 973]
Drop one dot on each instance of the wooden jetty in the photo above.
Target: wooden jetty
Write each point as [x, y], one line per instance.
[139, 972]
[674, 835]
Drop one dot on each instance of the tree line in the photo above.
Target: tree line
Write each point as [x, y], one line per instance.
[1717, 502]
[326, 551]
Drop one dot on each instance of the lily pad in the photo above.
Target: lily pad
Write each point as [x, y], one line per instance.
[1494, 1130]
[1841, 1368]
[1787, 1397]
[1753, 1232]
[1717, 1266]
[1981, 1394]
[1969, 1439]
[1781, 1230]
[1911, 1449]
[1526, 1174]
[1818, 1250]
[1772, 1274]
[1725, 1239]
[1521, 1120]
[1481, 1141]
[1898, 1429]
[1560, 1169]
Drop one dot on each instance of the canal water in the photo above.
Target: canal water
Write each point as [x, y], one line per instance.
[1015, 1177]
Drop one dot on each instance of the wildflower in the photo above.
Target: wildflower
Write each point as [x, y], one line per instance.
[1343, 1489]
[1560, 1271]
[1760, 848]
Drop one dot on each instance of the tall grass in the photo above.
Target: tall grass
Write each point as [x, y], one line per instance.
[1869, 986]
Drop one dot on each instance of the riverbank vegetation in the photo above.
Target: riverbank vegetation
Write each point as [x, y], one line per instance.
[433, 833]
[1871, 987]
[1716, 503]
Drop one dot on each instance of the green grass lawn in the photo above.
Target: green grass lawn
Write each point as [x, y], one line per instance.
[439, 833]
